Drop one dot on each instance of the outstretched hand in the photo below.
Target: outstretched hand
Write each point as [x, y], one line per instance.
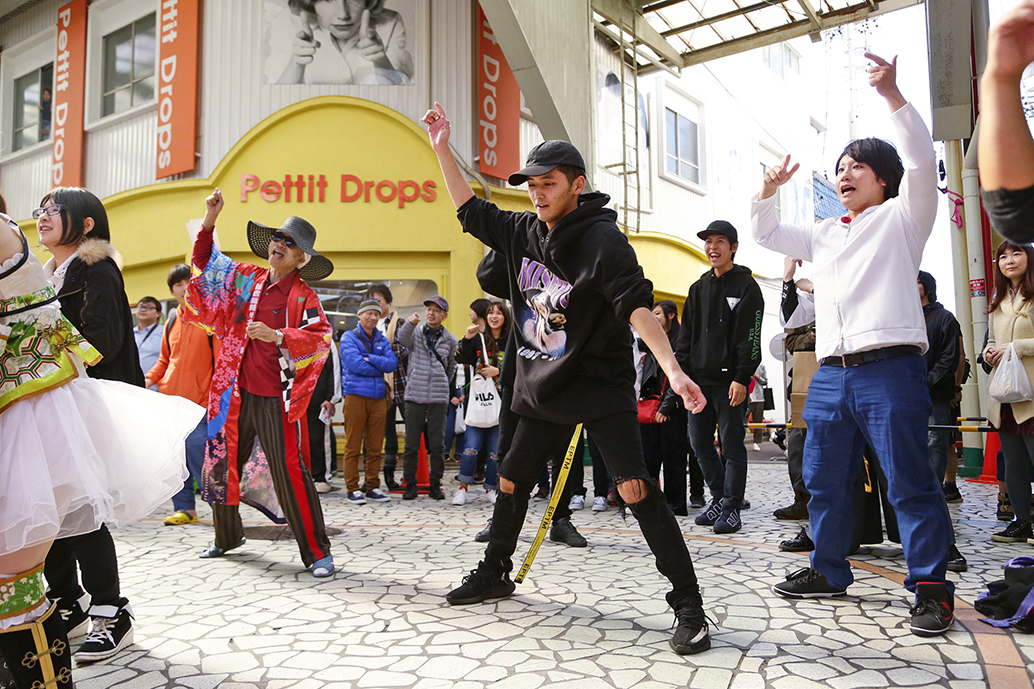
[776, 177]
[437, 128]
[790, 267]
[689, 391]
[883, 76]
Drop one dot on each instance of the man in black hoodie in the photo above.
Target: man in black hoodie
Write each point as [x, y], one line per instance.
[719, 345]
[576, 286]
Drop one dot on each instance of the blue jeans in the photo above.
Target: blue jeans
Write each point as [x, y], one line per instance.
[726, 476]
[940, 441]
[476, 438]
[183, 501]
[887, 405]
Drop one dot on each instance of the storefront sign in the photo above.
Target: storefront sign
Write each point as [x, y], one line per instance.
[177, 87]
[977, 288]
[69, 92]
[499, 107]
[313, 189]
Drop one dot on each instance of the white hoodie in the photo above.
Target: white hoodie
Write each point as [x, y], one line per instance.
[865, 271]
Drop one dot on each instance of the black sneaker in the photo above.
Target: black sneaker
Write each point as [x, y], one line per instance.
[108, 636]
[710, 514]
[485, 535]
[934, 611]
[801, 543]
[951, 492]
[690, 635]
[729, 521]
[563, 531]
[410, 493]
[435, 493]
[1017, 532]
[480, 586]
[956, 563]
[807, 583]
[76, 621]
[540, 495]
[697, 501]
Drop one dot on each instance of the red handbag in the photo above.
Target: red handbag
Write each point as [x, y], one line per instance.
[649, 406]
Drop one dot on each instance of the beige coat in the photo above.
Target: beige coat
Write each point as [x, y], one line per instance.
[1011, 324]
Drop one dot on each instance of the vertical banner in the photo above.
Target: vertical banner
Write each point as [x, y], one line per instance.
[177, 86]
[69, 95]
[499, 107]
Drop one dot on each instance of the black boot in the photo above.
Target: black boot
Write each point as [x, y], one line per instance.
[37, 653]
[389, 480]
[665, 539]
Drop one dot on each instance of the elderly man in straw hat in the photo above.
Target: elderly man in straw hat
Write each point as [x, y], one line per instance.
[275, 340]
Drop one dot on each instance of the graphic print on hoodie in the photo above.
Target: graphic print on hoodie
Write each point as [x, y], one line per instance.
[542, 318]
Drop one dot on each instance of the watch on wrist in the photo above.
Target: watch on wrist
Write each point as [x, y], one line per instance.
[279, 337]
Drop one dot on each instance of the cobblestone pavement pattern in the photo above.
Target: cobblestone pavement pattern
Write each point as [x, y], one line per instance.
[585, 618]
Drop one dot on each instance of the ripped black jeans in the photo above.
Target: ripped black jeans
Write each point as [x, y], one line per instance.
[535, 442]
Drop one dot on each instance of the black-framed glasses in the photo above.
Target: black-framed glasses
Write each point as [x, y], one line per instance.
[147, 307]
[52, 209]
[285, 239]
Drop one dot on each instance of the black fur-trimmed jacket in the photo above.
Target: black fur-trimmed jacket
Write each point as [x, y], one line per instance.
[93, 298]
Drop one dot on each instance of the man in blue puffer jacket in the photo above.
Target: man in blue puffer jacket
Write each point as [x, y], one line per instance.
[365, 357]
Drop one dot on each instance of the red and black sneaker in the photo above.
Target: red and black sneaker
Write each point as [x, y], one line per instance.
[934, 611]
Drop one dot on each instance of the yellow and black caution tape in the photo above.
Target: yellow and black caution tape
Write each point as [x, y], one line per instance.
[554, 500]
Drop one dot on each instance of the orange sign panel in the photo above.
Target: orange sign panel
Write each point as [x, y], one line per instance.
[69, 94]
[499, 107]
[177, 86]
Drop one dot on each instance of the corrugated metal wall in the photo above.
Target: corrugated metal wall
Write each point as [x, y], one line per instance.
[233, 97]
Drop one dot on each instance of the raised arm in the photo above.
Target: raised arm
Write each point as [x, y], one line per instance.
[1006, 150]
[438, 129]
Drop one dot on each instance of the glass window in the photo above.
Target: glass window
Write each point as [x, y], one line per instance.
[773, 58]
[682, 147]
[791, 59]
[129, 55]
[32, 100]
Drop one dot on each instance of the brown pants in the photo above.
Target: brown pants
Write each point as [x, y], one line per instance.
[263, 417]
[364, 417]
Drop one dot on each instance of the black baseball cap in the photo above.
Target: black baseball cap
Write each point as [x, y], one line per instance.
[720, 227]
[545, 157]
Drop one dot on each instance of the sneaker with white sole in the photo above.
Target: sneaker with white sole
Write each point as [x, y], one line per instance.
[73, 614]
[599, 504]
[757, 448]
[376, 495]
[108, 635]
[577, 502]
[356, 497]
[491, 496]
[460, 498]
[323, 487]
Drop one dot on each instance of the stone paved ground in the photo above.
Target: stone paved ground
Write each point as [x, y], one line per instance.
[585, 618]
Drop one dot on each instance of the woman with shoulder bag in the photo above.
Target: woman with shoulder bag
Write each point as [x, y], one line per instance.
[664, 435]
[483, 350]
[1011, 334]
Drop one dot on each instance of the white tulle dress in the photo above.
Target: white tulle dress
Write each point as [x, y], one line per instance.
[75, 452]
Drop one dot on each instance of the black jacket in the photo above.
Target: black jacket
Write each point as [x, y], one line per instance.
[93, 299]
[654, 379]
[573, 289]
[720, 338]
[942, 358]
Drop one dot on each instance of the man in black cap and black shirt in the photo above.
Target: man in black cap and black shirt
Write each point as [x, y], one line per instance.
[576, 286]
[720, 346]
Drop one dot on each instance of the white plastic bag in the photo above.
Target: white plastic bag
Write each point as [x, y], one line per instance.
[483, 402]
[1010, 382]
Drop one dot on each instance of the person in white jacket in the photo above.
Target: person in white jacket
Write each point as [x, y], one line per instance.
[871, 387]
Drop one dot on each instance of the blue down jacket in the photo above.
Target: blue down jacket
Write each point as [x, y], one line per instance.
[364, 363]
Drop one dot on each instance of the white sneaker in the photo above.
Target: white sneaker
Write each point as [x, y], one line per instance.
[324, 487]
[460, 498]
[599, 505]
[577, 502]
[490, 496]
[757, 448]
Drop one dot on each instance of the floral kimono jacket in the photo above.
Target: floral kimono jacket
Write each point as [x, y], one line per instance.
[222, 298]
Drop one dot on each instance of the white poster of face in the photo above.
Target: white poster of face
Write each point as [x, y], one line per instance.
[347, 42]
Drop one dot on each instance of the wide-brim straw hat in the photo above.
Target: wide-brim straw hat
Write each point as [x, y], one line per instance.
[304, 235]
